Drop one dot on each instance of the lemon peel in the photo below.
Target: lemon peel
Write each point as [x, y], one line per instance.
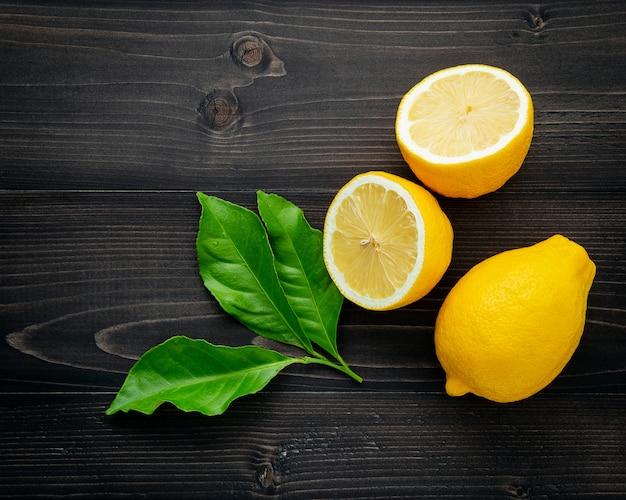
[511, 324]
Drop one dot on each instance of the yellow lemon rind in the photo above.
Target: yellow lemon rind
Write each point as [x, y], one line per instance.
[512, 323]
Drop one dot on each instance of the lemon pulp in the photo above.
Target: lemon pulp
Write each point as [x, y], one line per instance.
[459, 115]
[386, 241]
[375, 245]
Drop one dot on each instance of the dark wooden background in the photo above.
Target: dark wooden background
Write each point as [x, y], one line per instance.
[114, 113]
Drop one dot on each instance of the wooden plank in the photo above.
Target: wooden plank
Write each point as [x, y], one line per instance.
[92, 280]
[110, 95]
[318, 445]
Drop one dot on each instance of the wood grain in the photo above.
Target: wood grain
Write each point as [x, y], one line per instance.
[407, 445]
[120, 266]
[113, 114]
[110, 94]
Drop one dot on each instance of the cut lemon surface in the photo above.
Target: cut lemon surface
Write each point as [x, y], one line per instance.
[465, 130]
[387, 242]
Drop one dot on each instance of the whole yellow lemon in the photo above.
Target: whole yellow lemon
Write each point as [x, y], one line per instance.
[511, 324]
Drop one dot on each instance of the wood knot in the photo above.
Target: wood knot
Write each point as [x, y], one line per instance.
[250, 52]
[220, 109]
[536, 20]
[265, 478]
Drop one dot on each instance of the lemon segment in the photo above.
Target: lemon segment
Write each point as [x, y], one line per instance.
[511, 324]
[379, 234]
[465, 130]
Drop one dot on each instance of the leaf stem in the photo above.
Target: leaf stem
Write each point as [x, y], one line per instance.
[343, 367]
[348, 371]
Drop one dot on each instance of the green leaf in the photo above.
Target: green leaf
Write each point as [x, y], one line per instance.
[195, 375]
[237, 265]
[300, 266]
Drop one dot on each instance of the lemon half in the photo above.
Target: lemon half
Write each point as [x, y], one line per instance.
[386, 241]
[465, 130]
